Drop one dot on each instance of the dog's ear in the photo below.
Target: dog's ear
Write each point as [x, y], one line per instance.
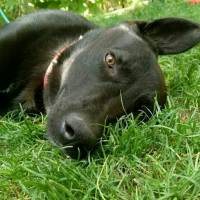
[170, 35]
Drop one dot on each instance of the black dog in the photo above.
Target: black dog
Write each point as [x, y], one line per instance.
[82, 75]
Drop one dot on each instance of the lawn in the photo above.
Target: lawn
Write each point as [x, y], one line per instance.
[159, 159]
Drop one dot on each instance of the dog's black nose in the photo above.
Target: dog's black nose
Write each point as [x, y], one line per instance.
[76, 132]
[68, 131]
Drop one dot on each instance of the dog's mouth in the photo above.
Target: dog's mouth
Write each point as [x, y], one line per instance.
[77, 151]
[74, 150]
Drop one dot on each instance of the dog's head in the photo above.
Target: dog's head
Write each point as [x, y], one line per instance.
[109, 72]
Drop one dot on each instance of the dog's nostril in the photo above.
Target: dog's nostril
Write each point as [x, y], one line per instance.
[69, 131]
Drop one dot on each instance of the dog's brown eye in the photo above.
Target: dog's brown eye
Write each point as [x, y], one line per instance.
[110, 59]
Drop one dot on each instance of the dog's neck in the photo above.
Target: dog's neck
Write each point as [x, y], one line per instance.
[54, 61]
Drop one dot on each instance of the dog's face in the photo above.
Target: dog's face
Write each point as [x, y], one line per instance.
[108, 73]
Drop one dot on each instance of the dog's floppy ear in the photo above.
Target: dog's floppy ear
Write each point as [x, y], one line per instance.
[170, 35]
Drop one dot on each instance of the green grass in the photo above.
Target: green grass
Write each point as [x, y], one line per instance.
[159, 159]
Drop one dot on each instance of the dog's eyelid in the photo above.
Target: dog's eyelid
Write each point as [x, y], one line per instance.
[121, 55]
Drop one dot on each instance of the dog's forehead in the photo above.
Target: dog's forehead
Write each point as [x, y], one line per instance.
[120, 32]
[125, 28]
[118, 36]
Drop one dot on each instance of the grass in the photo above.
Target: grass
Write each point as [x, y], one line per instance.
[159, 159]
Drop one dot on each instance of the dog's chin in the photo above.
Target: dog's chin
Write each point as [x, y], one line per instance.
[77, 151]
[74, 151]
